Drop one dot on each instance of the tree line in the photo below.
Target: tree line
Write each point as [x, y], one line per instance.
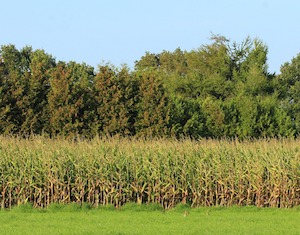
[221, 89]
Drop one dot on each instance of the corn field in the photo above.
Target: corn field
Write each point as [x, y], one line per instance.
[102, 171]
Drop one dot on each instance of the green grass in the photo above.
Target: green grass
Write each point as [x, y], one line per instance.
[134, 219]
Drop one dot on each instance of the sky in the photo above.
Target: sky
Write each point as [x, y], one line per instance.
[121, 31]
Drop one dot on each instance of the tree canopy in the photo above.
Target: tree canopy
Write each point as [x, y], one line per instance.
[221, 89]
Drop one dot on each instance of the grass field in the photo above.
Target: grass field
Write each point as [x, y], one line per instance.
[134, 219]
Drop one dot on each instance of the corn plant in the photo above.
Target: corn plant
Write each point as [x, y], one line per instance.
[116, 171]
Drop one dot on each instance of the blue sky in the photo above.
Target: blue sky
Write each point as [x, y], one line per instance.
[94, 31]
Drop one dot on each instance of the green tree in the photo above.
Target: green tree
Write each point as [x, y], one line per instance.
[207, 72]
[35, 96]
[15, 71]
[288, 89]
[115, 96]
[214, 116]
[153, 105]
[186, 117]
[69, 99]
[148, 61]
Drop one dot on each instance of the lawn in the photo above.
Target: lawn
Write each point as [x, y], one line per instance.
[150, 220]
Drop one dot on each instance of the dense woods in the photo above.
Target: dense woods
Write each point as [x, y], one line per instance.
[222, 89]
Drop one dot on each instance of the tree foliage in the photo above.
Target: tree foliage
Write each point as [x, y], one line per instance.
[115, 94]
[221, 89]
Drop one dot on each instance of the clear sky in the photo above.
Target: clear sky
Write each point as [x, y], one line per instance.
[121, 31]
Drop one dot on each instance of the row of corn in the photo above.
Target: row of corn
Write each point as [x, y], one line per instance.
[115, 171]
